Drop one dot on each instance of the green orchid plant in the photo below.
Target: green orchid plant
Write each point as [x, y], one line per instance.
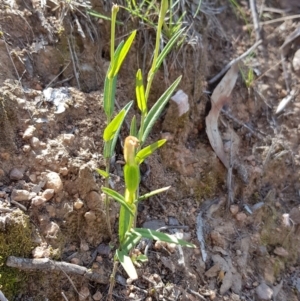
[134, 153]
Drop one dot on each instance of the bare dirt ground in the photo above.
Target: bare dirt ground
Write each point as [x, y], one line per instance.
[246, 226]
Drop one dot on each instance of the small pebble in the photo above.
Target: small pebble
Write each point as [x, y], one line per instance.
[84, 246]
[78, 204]
[53, 181]
[280, 251]
[90, 216]
[68, 139]
[241, 217]
[84, 293]
[234, 209]
[35, 142]
[15, 174]
[52, 229]
[264, 292]
[296, 61]
[97, 296]
[32, 178]
[63, 171]
[29, 132]
[38, 200]
[26, 148]
[75, 260]
[22, 195]
[48, 194]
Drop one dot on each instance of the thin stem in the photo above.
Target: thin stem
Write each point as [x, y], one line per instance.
[114, 12]
[107, 201]
[112, 280]
[163, 10]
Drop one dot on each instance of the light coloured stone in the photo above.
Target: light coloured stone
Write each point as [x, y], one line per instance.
[68, 139]
[84, 293]
[76, 260]
[53, 181]
[90, 216]
[296, 61]
[38, 200]
[22, 195]
[52, 230]
[280, 251]
[241, 217]
[15, 174]
[41, 252]
[32, 178]
[84, 246]
[48, 194]
[264, 292]
[35, 142]
[63, 171]
[78, 204]
[29, 132]
[234, 209]
[97, 296]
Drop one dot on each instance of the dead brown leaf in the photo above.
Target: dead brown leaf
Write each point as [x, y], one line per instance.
[219, 98]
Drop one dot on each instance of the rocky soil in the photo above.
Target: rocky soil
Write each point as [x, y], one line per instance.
[245, 224]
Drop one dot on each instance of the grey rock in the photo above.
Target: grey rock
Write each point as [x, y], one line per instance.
[15, 174]
[22, 195]
[264, 292]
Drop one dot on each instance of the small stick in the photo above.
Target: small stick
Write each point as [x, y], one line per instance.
[229, 177]
[279, 20]
[224, 70]
[5, 210]
[195, 294]
[64, 296]
[19, 205]
[46, 264]
[255, 20]
[112, 280]
[74, 64]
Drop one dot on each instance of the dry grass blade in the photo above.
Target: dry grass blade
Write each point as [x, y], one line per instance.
[219, 98]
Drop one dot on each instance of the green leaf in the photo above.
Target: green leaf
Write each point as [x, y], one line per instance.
[113, 126]
[130, 242]
[150, 194]
[133, 127]
[98, 15]
[125, 224]
[142, 258]
[121, 56]
[127, 264]
[140, 92]
[112, 131]
[119, 198]
[147, 151]
[114, 141]
[168, 48]
[147, 233]
[102, 173]
[157, 108]
[110, 88]
[132, 177]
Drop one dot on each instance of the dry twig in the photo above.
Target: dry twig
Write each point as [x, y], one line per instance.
[224, 70]
[255, 20]
[46, 264]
